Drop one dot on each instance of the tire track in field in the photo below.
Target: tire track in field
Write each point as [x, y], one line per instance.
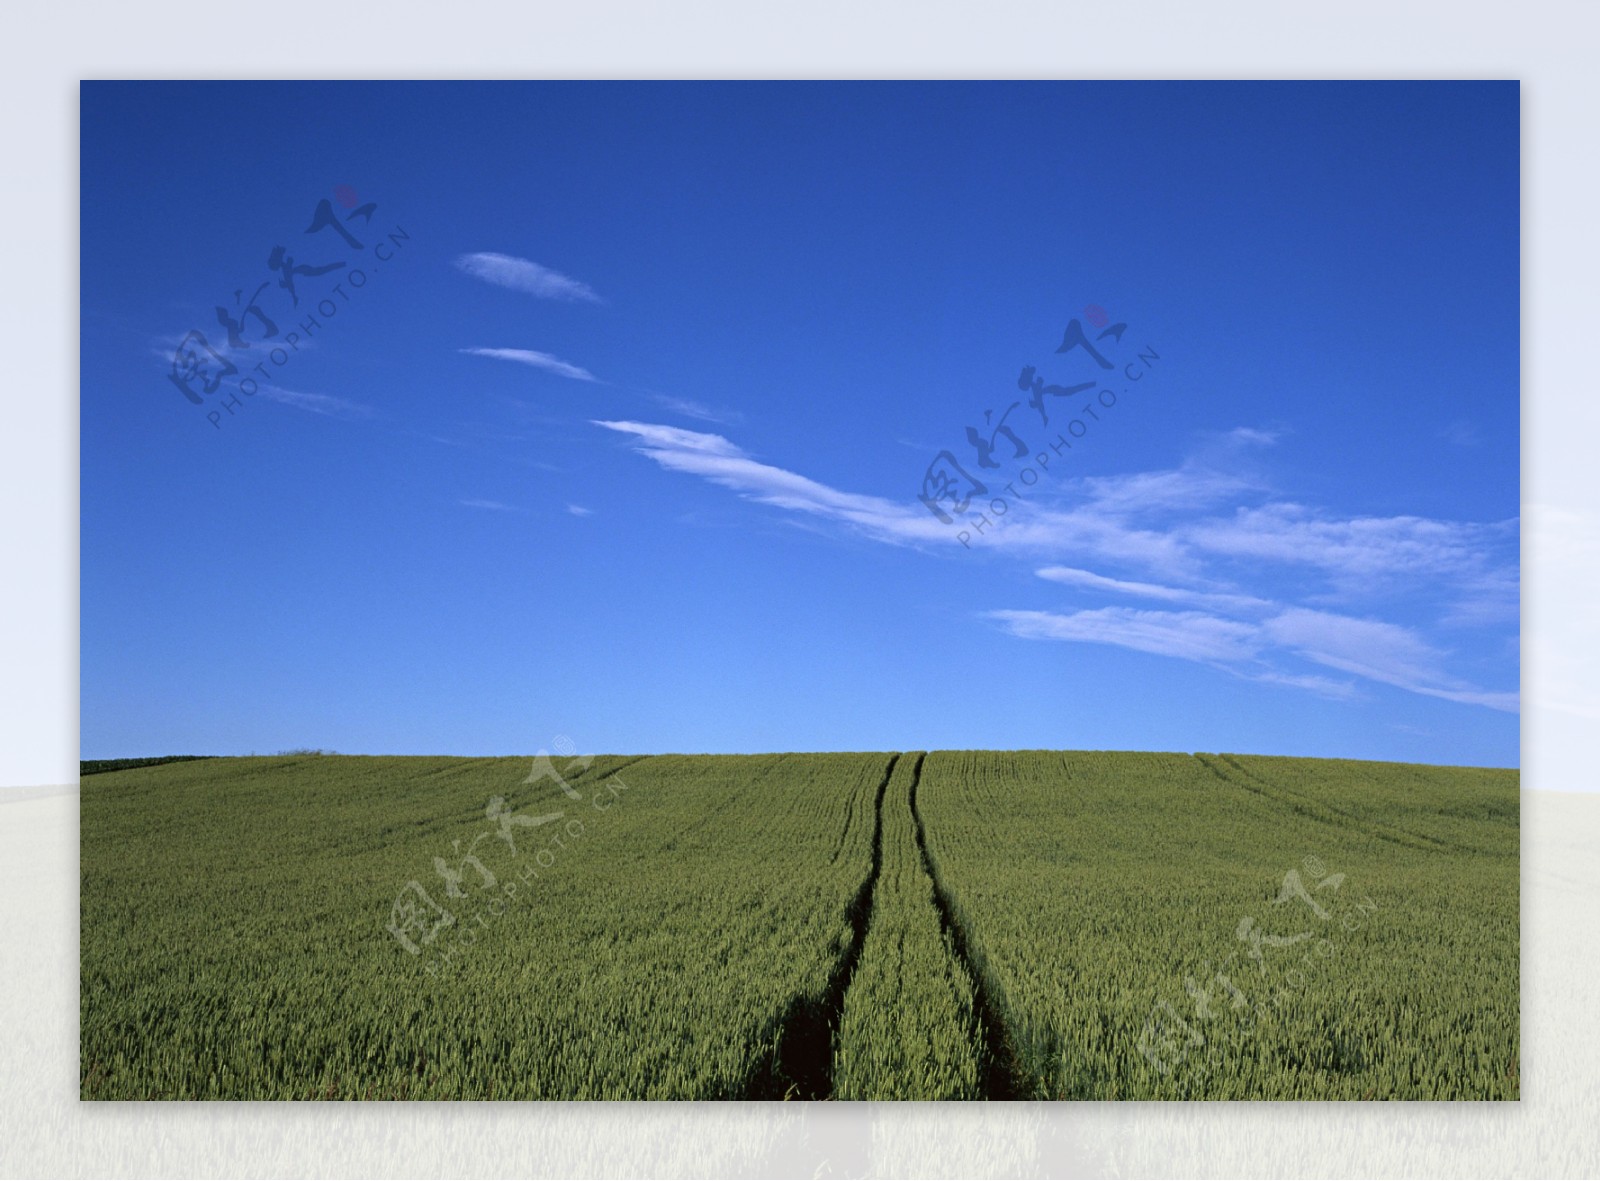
[728, 801]
[597, 768]
[1377, 828]
[454, 775]
[1411, 777]
[1001, 1076]
[849, 819]
[1324, 813]
[800, 1065]
[627, 761]
[855, 796]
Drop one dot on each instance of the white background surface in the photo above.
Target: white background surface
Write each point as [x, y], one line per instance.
[1551, 47]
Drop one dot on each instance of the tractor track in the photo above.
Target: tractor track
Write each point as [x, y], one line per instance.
[1002, 1075]
[800, 1064]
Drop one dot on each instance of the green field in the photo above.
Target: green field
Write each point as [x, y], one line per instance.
[948, 925]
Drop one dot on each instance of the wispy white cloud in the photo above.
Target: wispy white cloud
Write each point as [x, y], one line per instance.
[578, 510]
[1359, 547]
[714, 458]
[1488, 597]
[1088, 580]
[492, 505]
[325, 404]
[537, 360]
[1187, 488]
[259, 352]
[1321, 686]
[1190, 635]
[256, 348]
[1167, 524]
[1377, 651]
[521, 274]
[692, 409]
[659, 437]
[1042, 529]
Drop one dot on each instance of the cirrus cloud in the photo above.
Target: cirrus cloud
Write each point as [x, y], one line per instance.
[545, 361]
[521, 274]
[1173, 529]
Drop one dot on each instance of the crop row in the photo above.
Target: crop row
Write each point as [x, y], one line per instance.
[1150, 929]
[275, 928]
[956, 925]
[909, 1028]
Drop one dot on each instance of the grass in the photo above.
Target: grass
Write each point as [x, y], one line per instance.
[1108, 897]
[1057, 925]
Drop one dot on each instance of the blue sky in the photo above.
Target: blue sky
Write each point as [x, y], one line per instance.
[621, 435]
